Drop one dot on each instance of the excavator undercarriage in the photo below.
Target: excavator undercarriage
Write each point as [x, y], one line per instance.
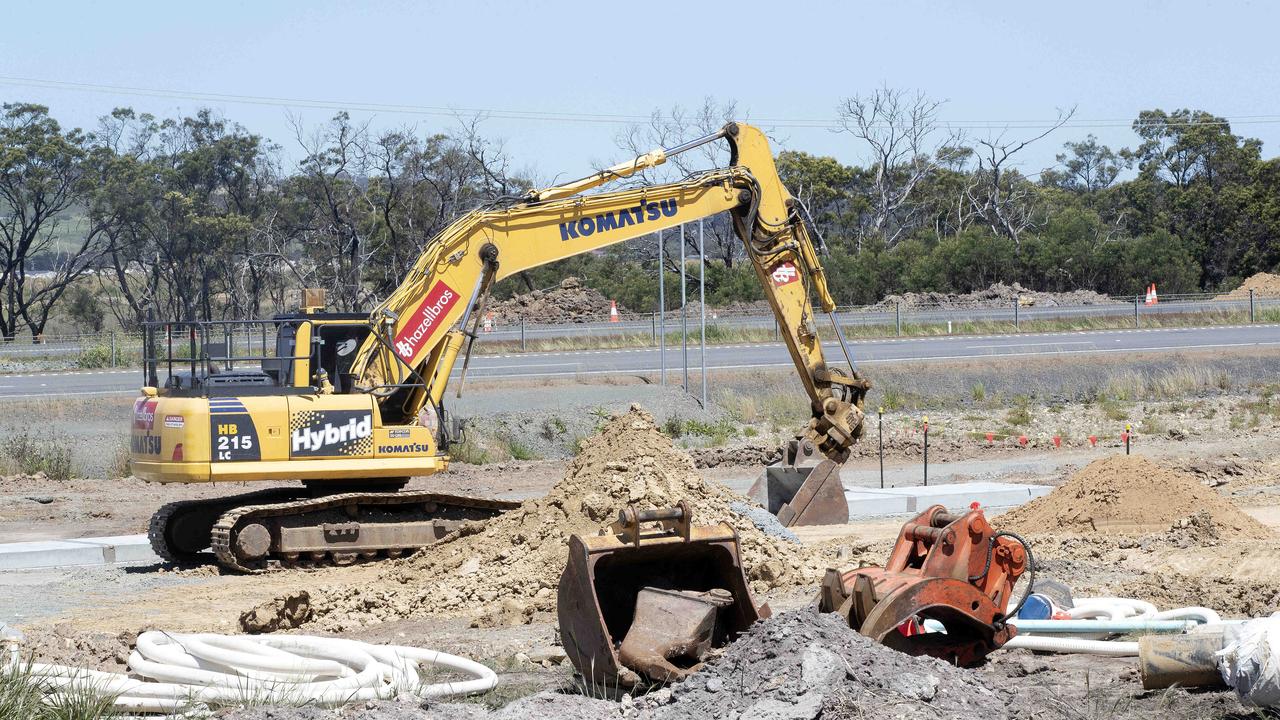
[262, 530]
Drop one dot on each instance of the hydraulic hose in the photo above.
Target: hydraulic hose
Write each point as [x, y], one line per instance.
[208, 669]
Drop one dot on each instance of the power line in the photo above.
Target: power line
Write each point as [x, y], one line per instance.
[580, 117]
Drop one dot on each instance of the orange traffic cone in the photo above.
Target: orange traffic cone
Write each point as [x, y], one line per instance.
[613, 311]
[1149, 298]
[1155, 297]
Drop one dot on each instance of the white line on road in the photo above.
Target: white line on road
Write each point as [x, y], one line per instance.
[121, 391]
[1010, 345]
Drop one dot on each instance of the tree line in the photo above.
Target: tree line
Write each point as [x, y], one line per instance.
[197, 218]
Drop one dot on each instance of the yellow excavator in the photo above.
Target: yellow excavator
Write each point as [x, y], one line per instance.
[352, 405]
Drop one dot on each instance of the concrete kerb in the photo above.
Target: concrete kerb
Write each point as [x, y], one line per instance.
[878, 502]
[81, 551]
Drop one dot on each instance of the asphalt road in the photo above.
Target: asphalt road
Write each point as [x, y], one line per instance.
[757, 355]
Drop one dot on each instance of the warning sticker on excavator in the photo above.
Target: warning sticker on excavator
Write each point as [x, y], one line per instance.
[784, 273]
[422, 322]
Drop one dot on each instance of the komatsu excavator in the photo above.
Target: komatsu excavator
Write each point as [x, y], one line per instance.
[352, 405]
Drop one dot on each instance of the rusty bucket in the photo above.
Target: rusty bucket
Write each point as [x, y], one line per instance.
[648, 599]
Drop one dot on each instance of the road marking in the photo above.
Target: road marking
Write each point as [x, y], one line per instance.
[1009, 345]
[122, 391]
[523, 365]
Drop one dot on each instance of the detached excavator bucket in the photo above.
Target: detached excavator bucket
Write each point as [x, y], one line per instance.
[804, 488]
[647, 604]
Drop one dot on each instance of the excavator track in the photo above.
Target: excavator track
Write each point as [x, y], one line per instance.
[341, 529]
[179, 531]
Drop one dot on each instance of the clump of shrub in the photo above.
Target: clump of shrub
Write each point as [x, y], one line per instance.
[94, 357]
[29, 455]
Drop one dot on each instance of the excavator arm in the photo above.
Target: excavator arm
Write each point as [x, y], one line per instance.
[422, 327]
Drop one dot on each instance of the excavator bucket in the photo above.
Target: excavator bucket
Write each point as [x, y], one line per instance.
[952, 569]
[645, 604]
[804, 488]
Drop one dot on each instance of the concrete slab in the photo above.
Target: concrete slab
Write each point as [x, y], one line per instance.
[879, 502]
[80, 551]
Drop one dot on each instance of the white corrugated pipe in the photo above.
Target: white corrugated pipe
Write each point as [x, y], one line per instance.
[270, 669]
[1057, 644]
[1111, 614]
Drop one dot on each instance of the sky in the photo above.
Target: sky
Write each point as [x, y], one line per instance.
[596, 65]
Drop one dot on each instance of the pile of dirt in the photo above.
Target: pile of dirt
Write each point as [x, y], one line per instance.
[736, 456]
[1128, 493]
[998, 295]
[1234, 472]
[1262, 284]
[506, 570]
[283, 613]
[61, 645]
[571, 301]
[1233, 597]
[802, 664]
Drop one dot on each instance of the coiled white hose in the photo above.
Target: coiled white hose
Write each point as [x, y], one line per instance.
[266, 669]
[1107, 611]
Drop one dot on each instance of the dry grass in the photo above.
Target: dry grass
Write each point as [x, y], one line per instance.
[25, 696]
[722, 335]
[761, 398]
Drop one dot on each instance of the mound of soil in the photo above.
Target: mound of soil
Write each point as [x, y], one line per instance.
[998, 295]
[1128, 493]
[1261, 284]
[1238, 473]
[740, 455]
[802, 664]
[1233, 597]
[571, 301]
[505, 570]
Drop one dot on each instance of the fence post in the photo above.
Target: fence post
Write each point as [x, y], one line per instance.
[523, 347]
[926, 450]
[1252, 315]
[1017, 320]
[1136, 299]
[113, 348]
[897, 317]
[880, 412]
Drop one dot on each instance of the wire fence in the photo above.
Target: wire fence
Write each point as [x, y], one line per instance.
[124, 349]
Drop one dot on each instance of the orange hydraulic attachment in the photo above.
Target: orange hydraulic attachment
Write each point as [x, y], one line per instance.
[952, 568]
